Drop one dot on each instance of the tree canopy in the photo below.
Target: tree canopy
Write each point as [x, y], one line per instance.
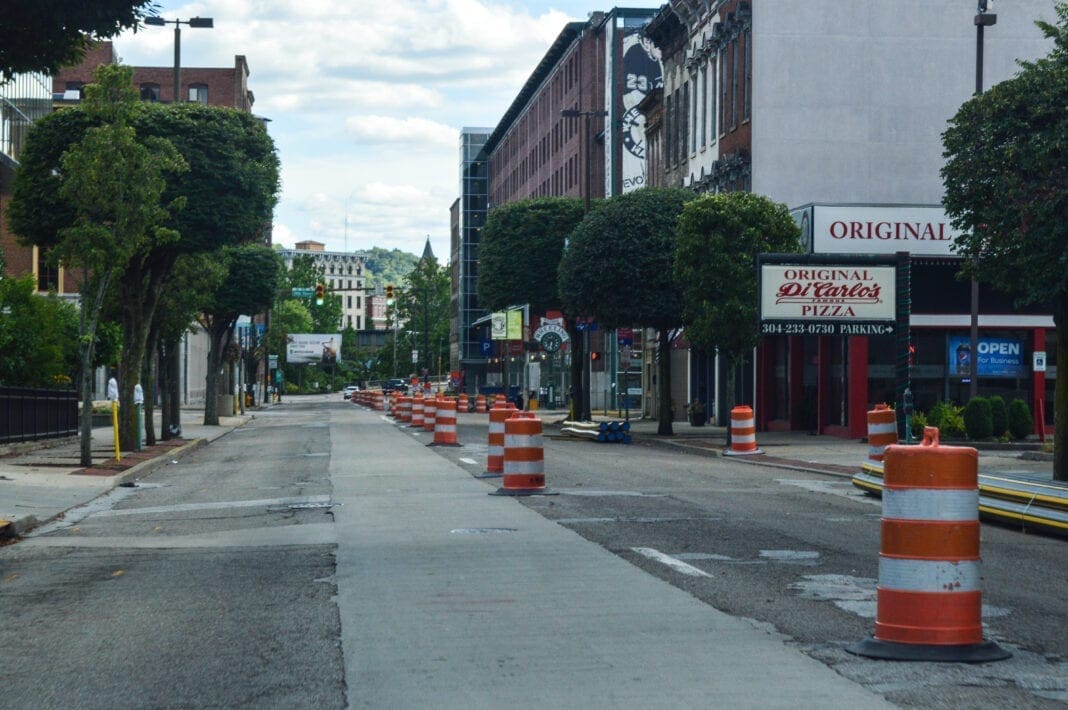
[1006, 189]
[618, 268]
[720, 237]
[44, 35]
[519, 252]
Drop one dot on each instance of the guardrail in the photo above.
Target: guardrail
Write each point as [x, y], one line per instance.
[30, 414]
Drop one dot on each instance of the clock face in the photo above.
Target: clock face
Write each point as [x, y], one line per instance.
[551, 342]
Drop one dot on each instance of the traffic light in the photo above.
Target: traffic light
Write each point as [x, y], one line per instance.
[320, 294]
[595, 356]
[389, 295]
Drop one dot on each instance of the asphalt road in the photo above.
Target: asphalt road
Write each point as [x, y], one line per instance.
[214, 582]
[799, 551]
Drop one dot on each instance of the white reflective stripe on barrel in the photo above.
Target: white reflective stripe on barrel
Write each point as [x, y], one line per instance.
[882, 428]
[496, 450]
[442, 427]
[523, 441]
[743, 438]
[743, 423]
[927, 504]
[907, 575]
[521, 467]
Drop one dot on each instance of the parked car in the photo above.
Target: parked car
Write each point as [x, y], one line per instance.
[349, 389]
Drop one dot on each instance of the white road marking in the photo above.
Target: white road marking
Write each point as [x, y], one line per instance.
[469, 461]
[219, 505]
[672, 562]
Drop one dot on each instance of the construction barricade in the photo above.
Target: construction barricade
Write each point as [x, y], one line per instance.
[882, 432]
[743, 432]
[524, 457]
[405, 409]
[463, 403]
[495, 453]
[445, 424]
[430, 409]
[929, 603]
[480, 404]
[417, 412]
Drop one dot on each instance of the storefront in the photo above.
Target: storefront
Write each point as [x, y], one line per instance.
[825, 379]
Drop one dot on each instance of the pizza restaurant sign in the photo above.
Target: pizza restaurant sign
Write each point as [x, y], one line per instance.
[873, 229]
[827, 299]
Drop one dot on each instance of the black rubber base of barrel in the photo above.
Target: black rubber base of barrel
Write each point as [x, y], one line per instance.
[524, 492]
[890, 651]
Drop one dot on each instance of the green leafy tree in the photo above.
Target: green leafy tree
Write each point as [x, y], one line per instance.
[38, 36]
[618, 268]
[423, 308]
[519, 255]
[38, 337]
[231, 185]
[719, 239]
[249, 287]
[193, 281]
[111, 183]
[388, 266]
[1006, 189]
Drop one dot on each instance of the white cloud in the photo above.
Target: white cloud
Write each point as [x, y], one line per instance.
[383, 129]
[366, 98]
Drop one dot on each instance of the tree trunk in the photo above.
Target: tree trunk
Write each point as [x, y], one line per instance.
[732, 373]
[665, 427]
[170, 395]
[215, 356]
[579, 399]
[148, 381]
[1060, 403]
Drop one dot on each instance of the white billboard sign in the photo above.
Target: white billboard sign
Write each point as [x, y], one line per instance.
[861, 229]
[313, 348]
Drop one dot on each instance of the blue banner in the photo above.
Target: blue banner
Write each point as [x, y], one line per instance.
[997, 357]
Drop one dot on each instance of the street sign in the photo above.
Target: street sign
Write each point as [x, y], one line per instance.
[301, 292]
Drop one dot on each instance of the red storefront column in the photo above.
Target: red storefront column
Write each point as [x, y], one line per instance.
[823, 383]
[1038, 383]
[858, 387]
[797, 380]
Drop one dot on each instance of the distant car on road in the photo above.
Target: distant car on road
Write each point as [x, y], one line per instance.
[397, 383]
[349, 389]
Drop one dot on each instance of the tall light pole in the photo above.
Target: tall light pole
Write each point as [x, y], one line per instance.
[982, 19]
[586, 376]
[192, 22]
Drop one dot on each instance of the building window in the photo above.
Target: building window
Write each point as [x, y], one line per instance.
[723, 91]
[691, 110]
[734, 85]
[198, 93]
[47, 272]
[748, 101]
[150, 92]
[350, 301]
[73, 90]
[702, 117]
[712, 101]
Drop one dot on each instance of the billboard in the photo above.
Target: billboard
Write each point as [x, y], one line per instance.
[881, 229]
[313, 348]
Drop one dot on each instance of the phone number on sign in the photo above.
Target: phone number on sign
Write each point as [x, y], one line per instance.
[767, 328]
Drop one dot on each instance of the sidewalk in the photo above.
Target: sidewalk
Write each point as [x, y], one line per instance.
[46, 479]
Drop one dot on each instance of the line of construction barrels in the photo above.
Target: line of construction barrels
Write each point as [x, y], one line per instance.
[515, 452]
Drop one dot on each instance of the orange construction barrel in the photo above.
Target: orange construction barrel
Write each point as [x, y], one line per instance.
[929, 603]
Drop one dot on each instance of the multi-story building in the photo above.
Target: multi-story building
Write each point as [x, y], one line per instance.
[343, 275]
[466, 217]
[601, 69]
[837, 110]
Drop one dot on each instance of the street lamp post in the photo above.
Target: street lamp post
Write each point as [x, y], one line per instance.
[982, 19]
[192, 22]
[586, 375]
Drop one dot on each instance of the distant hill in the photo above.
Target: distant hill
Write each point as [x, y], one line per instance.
[384, 266]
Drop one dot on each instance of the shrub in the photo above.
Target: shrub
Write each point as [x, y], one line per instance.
[918, 422]
[1020, 423]
[947, 417]
[999, 415]
[977, 418]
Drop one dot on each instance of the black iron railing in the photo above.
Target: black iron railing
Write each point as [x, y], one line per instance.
[28, 414]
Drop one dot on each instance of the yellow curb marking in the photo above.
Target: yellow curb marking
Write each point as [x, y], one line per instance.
[12, 577]
[118, 573]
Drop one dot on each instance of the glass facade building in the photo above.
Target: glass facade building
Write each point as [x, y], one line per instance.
[474, 188]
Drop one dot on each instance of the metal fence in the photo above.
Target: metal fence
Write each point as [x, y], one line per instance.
[28, 414]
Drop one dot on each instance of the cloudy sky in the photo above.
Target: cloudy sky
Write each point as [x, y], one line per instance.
[366, 99]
